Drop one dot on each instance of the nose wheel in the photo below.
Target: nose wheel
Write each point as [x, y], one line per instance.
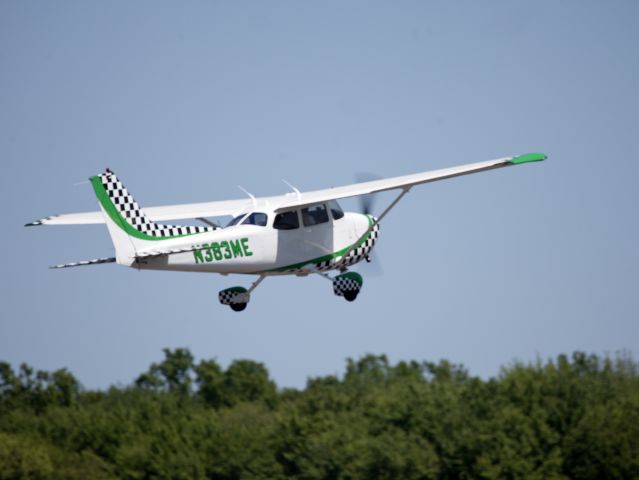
[348, 285]
[238, 307]
[350, 295]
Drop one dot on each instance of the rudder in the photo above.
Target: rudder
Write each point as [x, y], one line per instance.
[130, 229]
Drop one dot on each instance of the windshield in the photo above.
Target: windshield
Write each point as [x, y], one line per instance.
[235, 221]
[255, 218]
[336, 210]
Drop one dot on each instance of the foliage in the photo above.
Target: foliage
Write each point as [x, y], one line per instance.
[572, 417]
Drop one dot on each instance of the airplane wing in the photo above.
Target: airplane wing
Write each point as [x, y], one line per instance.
[404, 182]
[292, 200]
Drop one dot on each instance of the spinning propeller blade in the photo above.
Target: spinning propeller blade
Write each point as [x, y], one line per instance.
[372, 267]
[366, 202]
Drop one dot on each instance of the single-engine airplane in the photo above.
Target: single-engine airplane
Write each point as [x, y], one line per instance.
[299, 233]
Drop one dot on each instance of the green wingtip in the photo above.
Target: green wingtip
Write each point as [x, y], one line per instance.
[529, 157]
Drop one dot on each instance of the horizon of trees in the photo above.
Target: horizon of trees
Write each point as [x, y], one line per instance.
[570, 417]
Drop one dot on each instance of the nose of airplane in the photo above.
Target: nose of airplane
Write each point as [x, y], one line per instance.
[364, 223]
[368, 220]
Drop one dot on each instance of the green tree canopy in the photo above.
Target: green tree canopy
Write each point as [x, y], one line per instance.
[572, 417]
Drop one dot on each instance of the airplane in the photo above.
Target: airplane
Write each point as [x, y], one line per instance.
[298, 233]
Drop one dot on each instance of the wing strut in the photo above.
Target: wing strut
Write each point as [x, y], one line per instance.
[208, 222]
[405, 190]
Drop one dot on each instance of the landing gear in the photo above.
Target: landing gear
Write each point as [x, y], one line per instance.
[350, 295]
[238, 307]
[234, 297]
[238, 297]
[348, 285]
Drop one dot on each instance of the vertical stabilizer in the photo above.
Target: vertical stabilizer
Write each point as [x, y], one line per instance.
[130, 229]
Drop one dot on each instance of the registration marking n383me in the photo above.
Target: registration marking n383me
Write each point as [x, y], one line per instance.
[224, 250]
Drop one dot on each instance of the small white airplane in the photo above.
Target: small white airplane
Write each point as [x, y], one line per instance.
[293, 234]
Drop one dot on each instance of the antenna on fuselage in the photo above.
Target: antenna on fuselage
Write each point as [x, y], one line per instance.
[249, 194]
[297, 192]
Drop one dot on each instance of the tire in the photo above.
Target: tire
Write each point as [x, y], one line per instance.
[350, 295]
[238, 307]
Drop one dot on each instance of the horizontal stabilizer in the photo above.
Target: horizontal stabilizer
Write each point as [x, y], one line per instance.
[86, 218]
[81, 263]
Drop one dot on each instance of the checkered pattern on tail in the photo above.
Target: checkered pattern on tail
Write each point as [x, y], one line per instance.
[133, 214]
[233, 295]
[345, 282]
[356, 255]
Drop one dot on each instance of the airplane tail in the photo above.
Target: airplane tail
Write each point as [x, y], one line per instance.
[130, 229]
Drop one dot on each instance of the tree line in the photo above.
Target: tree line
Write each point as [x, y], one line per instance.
[571, 417]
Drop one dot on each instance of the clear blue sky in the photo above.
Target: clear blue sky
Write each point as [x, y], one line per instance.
[186, 100]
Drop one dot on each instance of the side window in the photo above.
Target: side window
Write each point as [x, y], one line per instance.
[336, 210]
[286, 221]
[314, 215]
[256, 218]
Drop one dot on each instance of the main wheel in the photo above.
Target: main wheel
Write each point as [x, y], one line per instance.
[238, 307]
[350, 295]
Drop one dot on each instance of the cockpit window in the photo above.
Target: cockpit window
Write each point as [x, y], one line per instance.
[314, 215]
[256, 218]
[236, 220]
[286, 220]
[336, 210]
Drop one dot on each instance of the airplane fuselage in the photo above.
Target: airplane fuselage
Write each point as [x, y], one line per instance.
[263, 249]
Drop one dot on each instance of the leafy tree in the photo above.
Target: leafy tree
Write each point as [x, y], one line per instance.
[210, 381]
[604, 442]
[247, 381]
[572, 417]
[21, 457]
[172, 374]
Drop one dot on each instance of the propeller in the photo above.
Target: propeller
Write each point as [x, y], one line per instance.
[366, 202]
[372, 266]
